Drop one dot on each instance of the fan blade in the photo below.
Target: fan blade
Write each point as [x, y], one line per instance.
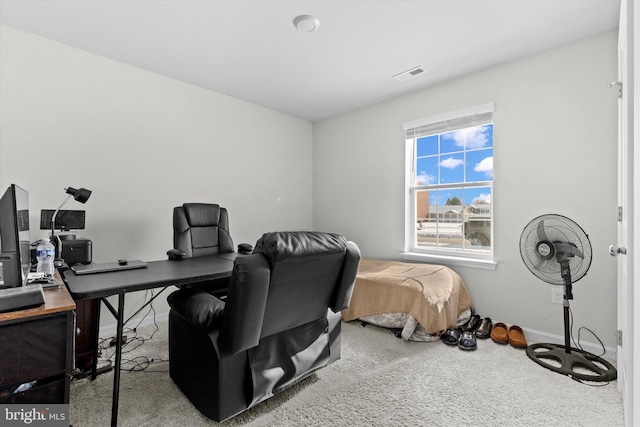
[568, 249]
[542, 236]
[542, 264]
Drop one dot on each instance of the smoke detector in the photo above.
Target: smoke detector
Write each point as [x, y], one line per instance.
[406, 75]
[306, 23]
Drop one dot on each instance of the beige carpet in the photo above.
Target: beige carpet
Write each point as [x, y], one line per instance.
[380, 381]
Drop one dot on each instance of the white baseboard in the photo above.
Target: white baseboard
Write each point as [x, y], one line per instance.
[531, 335]
[534, 336]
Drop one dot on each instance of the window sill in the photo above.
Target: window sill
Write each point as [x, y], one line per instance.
[485, 264]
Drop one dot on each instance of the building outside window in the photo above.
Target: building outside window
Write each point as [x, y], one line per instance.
[449, 180]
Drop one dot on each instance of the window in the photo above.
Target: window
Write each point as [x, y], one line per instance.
[449, 209]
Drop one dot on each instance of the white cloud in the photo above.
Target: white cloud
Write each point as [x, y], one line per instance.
[475, 137]
[486, 166]
[451, 163]
[425, 179]
[484, 198]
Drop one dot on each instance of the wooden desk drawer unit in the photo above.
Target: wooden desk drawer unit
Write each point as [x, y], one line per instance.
[36, 351]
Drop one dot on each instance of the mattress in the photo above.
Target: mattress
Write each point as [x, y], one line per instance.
[422, 299]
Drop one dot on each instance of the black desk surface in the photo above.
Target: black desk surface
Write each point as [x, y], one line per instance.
[156, 274]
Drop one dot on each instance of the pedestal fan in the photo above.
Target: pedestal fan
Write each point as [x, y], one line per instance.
[558, 251]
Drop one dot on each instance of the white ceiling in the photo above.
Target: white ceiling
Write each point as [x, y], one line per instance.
[251, 50]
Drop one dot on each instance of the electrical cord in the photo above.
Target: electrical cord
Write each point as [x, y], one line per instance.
[590, 357]
[133, 342]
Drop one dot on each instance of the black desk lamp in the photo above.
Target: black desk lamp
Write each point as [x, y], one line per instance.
[81, 195]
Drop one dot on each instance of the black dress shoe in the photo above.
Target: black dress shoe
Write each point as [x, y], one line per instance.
[472, 324]
[484, 329]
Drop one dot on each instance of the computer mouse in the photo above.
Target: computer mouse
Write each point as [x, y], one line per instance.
[122, 261]
[176, 254]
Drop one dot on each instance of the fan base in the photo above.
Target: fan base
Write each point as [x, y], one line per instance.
[599, 370]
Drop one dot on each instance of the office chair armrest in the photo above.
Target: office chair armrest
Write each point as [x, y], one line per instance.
[342, 297]
[176, 254]
[245, 248]
[197, 307]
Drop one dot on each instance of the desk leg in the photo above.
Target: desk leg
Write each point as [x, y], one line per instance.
[116, 372]
[94, 362]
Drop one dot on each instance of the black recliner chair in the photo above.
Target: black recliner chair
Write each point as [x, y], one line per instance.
[201, 229]
[279, 323]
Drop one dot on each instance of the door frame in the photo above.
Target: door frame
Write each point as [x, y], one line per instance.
[634, 323]
[628, 234]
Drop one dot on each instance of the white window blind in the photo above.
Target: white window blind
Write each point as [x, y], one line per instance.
[448, 122]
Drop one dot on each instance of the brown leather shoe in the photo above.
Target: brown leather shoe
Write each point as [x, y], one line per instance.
[499, 333]
[516, 337]
[484, 330]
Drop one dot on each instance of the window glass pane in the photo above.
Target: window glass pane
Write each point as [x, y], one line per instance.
[433, 201]
[450, 212]
[441, 227]
[427, 146]
[422, 205]
[450, 198]
[477, 218]
[452, 142]
[452, 168]
[427, 171]
[426, 221]
[480, 165]
[427, 234]
[477, 196]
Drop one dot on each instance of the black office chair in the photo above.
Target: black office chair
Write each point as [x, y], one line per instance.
[279, 324]
[201, 229]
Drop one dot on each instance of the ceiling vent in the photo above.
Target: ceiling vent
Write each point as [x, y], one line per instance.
[406, 75]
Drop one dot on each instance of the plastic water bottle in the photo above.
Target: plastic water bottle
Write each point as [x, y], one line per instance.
[45, 253]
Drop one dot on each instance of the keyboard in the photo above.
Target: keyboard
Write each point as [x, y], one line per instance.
[107, 267]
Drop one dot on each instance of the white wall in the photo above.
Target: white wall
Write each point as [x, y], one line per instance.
[555, 137]
[143, 143]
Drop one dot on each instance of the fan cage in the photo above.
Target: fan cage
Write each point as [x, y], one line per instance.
[557, 228]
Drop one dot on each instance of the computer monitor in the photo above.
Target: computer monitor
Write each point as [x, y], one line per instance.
[65, 220]
[15, 254]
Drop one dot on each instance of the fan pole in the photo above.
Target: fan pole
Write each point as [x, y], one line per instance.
[567, 331]
[565, 271]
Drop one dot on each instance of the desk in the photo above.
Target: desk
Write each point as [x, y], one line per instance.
[157, 274]
[36, 346]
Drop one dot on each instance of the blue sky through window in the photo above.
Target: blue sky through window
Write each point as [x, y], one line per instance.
[461, 156]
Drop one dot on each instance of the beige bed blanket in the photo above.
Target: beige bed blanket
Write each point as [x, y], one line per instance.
[434, 295]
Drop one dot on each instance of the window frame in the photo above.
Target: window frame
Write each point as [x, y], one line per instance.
[412, 134]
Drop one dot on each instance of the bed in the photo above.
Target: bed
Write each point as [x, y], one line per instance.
[421, 299]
